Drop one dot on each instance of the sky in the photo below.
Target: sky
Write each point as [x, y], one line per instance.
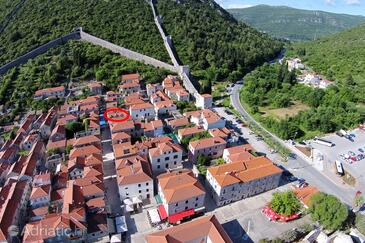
[355, 7]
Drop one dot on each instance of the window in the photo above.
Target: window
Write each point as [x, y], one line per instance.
[167, 158]
[175, 156]
[147, 190]
[196, 199]
[167, 165]
[186, 208]
[196, 205]
[186, 201]
[158, 160]
[139, 185]
[177, 204]
[146, 183]
[174, 162]
[158, 166]
[140, 191]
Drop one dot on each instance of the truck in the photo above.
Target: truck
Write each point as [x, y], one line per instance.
[339, 168]
[323, 142]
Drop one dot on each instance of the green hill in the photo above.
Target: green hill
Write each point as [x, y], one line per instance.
[295, 24]
[128, 23]
[338, 56]
[205, 34]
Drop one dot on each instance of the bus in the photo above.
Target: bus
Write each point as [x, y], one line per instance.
[339, 168]
[323, 142]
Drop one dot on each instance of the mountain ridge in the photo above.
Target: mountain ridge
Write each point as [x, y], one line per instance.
[295, 24]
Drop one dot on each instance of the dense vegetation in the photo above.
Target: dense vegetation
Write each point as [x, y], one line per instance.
[206, 37]
[6, 6]
[285, 203]
[74, 61]
[328, 210]
[273, 86]
[337, 56]
[295, 24]
[128, 23]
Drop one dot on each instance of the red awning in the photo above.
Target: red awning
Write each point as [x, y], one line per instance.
[162, 212]
[179, 216]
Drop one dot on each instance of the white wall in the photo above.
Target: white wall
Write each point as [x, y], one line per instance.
[162, 162]
[136, 189]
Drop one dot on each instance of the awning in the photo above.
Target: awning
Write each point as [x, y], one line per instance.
[136, 200]
[162, 212]
[179, 216]
[154, 216]
[127, 201]
[129, 208]
[158, 199]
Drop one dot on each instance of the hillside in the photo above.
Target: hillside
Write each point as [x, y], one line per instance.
[340, 56]
[128, 23]
[75, 60]
[206, 36]
[295, 24]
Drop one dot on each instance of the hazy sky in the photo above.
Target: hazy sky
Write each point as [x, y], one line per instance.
[356, 7]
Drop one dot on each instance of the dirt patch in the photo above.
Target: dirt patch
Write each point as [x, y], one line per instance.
[281, 113]
[349, 179]
[304, 150]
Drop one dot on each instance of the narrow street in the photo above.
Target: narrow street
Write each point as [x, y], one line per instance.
[111, 185]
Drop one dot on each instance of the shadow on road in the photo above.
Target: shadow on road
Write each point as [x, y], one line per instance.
[236, 232]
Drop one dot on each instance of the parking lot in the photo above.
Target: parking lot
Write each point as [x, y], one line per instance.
[348, 152]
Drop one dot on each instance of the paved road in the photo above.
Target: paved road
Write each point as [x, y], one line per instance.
[298, 166]
[111, 186]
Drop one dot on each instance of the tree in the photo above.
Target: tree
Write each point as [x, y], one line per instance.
[360, 223]
[285, 203]
[201, 160]
[72, 128]
[328, 210]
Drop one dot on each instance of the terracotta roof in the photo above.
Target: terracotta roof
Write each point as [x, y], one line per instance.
[189, 131]
[197, 230]
[46, 227]
[228, 174]
[96, 203]
[10, 199]
[141, 106]
[84, 151]
[93, 189]
[163, 148]
[134, 83]
[179, 122]
[122, 150]
[121, 126]
[304, 194]
[207, 143]
[86, 140]
[95, 85]
[41, 191]
[121, 136]
[219, 132]
[130, 76]
[206, 114]
[133, 169]
[179, 186]
[49, 90]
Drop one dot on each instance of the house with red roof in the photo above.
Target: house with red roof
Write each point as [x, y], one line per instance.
[165, 156]
[58, 92]
[182, 195]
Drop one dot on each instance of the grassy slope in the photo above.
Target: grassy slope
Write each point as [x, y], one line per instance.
[125, 22]
[295, 24]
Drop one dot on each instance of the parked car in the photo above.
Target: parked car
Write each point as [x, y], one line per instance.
[361, 150]
[351, 153]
